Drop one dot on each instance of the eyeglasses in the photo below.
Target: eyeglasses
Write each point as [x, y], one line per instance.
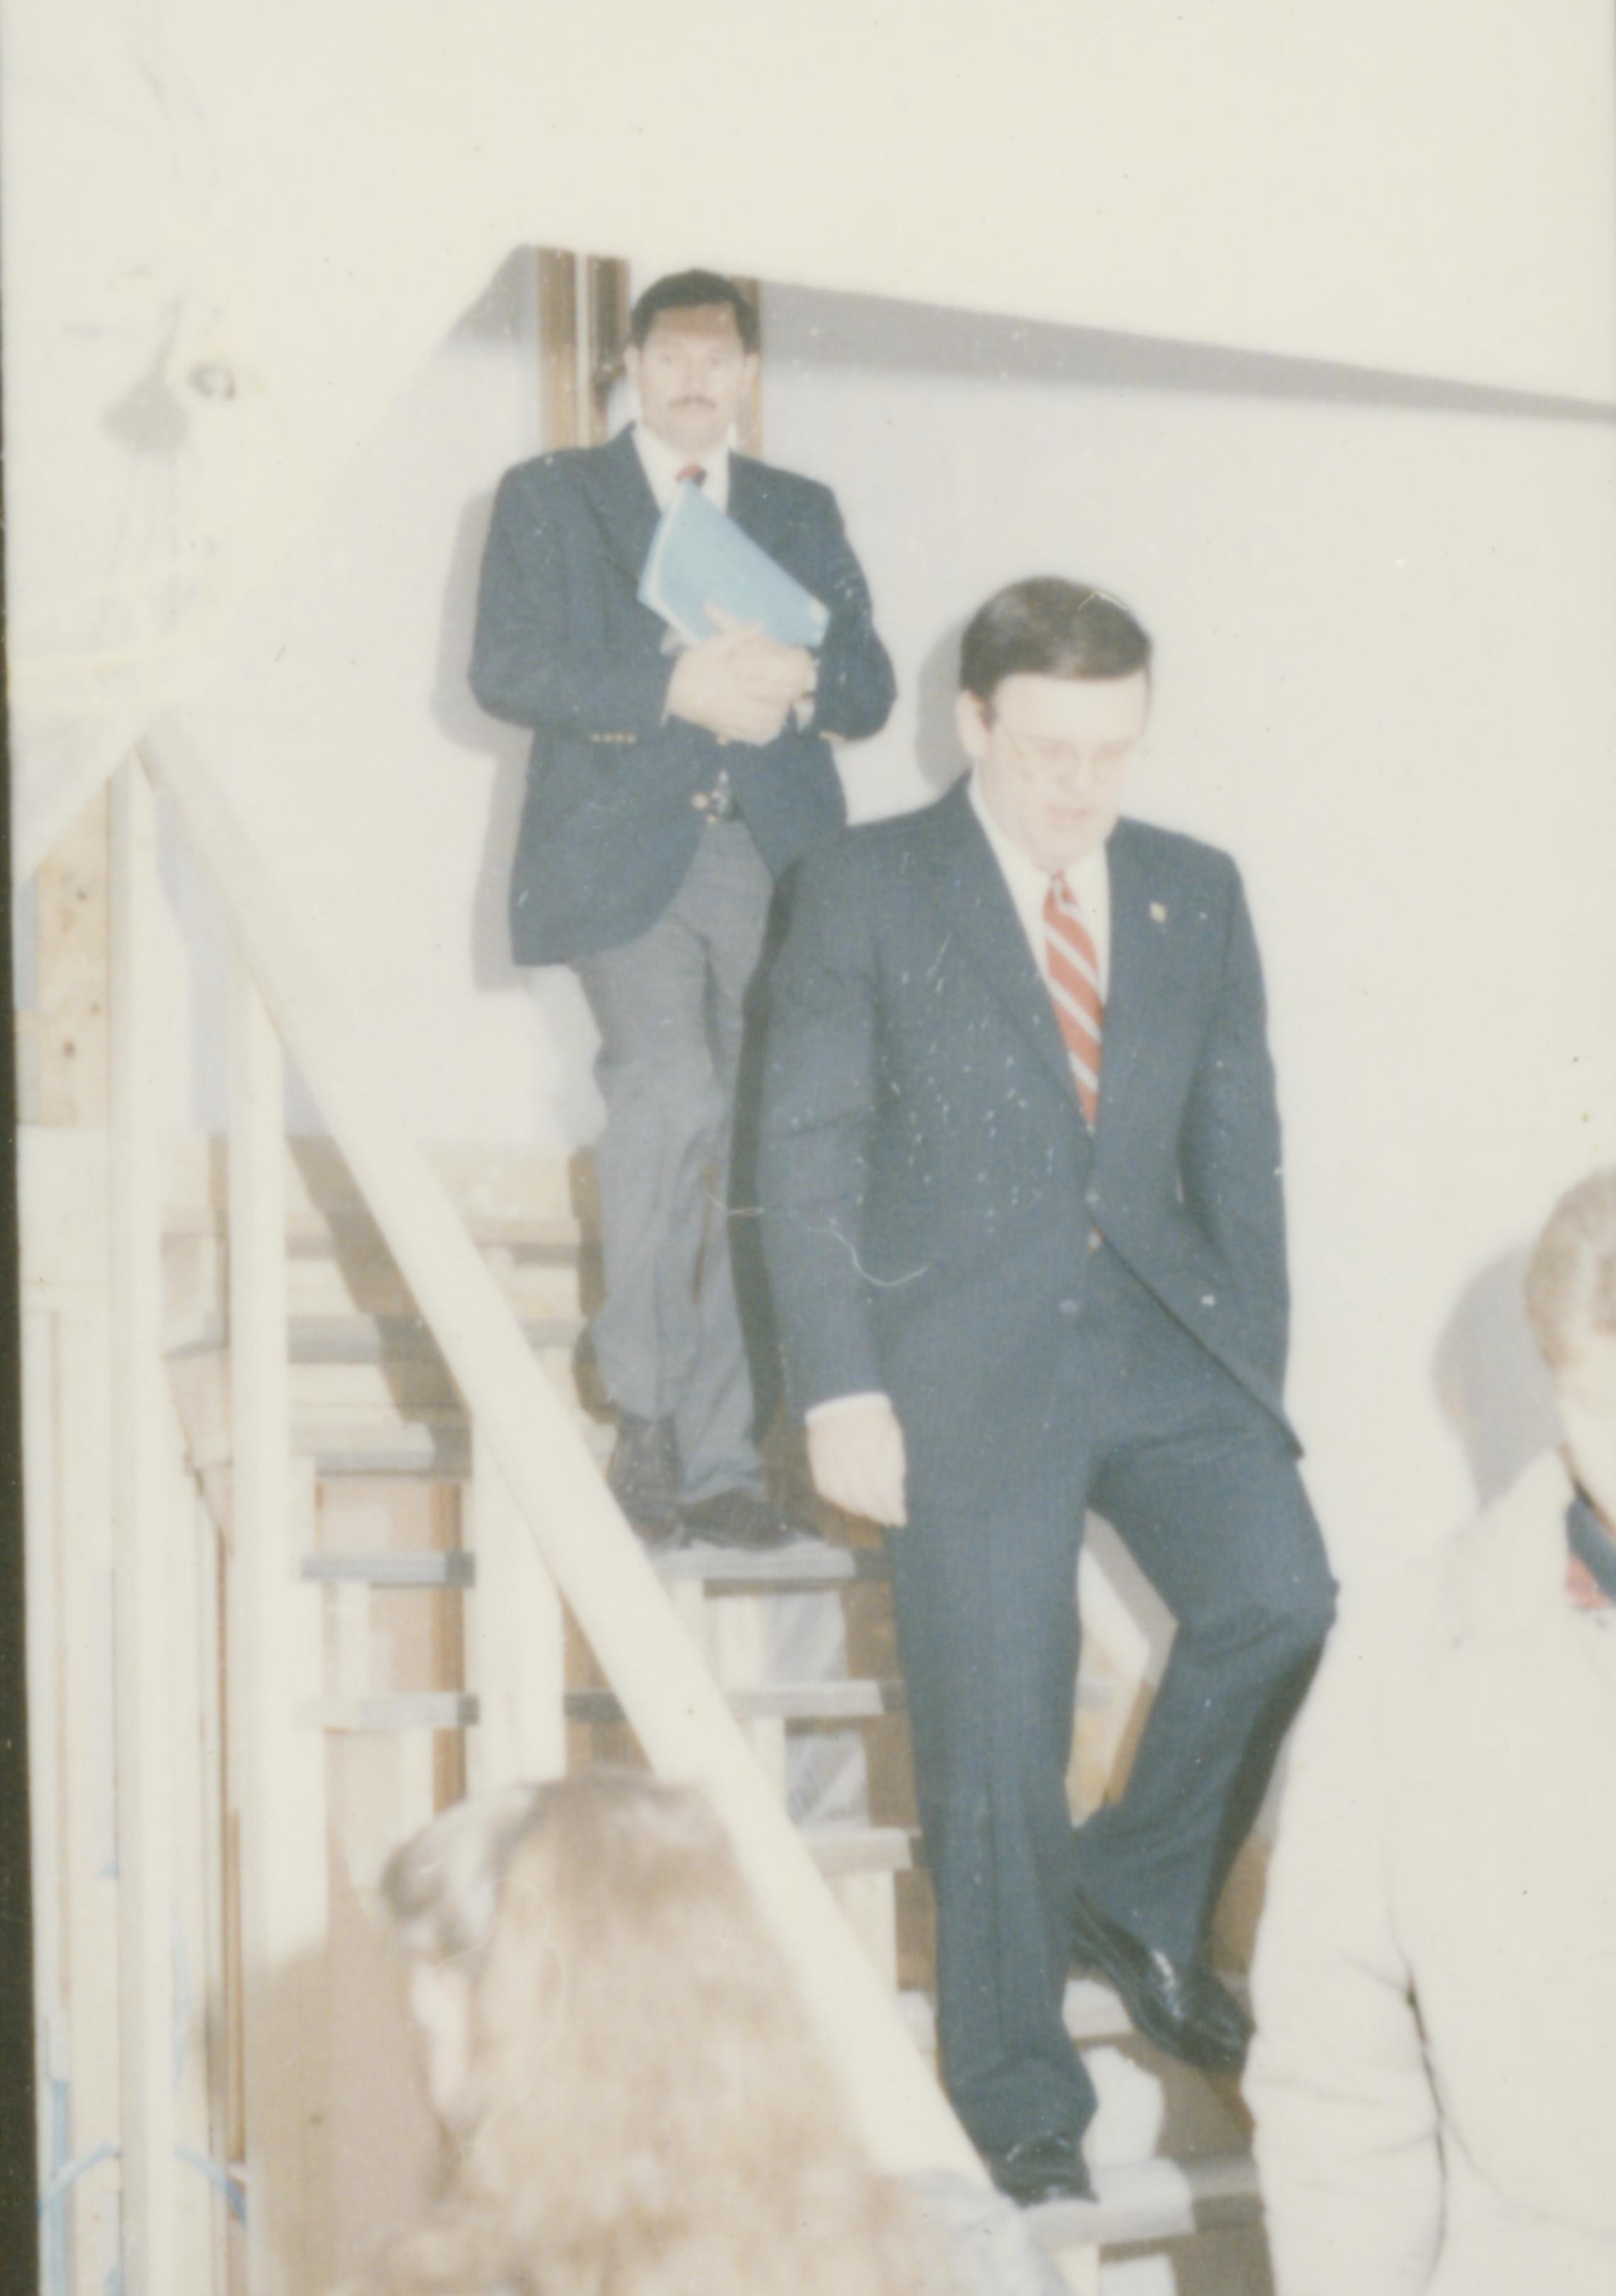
[1049, 760]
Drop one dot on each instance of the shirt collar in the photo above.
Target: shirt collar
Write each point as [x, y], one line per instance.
[662, 463]
[1089, 878]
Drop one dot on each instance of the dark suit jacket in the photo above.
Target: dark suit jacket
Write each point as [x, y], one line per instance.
[563, 646]
[928, 1180]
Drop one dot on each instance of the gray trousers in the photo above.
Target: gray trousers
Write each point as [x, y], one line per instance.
[670, 1009]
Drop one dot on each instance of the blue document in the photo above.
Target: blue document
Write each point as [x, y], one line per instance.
[699, 558]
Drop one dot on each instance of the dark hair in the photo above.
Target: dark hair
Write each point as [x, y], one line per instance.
[1046, 627]
[691, 291]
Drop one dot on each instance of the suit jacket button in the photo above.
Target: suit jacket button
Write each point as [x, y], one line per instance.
[1094, 1239]
[1072, 1307]
[1092, 1200]
[700, 801]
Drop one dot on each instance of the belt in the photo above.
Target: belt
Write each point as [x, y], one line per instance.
[718, 803]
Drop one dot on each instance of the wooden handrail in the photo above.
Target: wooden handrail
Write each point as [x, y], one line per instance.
[672, 1702]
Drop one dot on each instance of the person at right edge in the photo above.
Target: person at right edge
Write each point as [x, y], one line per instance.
[1021, 1204]
[1434, 2078]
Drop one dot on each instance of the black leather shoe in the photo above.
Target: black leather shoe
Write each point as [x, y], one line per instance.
[741, 1519]
[643, 1477]
[1037, 2169]
[1180, 2007]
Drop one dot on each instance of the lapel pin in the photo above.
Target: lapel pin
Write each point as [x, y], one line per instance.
[1158, 913]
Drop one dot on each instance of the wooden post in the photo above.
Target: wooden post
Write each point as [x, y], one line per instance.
[216, 1972]
[274, 1667]
[749, 423]
[141, 1532]
[200, 2203]
[606, 305]
[559, 398]
[519, 1641]
[87, 2058]
[51, 2065]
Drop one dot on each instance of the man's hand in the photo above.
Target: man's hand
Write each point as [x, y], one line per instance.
[740, 685]
[857, 1458]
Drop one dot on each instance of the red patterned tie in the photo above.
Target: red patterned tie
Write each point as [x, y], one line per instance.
[1074, 984]
[1585, 1590]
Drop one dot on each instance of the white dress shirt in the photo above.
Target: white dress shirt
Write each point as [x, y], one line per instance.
[662, 463]
[1088, 881]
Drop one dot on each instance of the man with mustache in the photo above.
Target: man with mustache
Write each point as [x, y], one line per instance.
[667, 788]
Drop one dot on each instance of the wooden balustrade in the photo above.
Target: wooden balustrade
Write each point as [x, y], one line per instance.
[532, 1465]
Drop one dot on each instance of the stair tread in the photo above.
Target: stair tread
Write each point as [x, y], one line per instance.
[1157, 2200]
[407, 1709]
[315, 1234]
[805, 1562]
[365, 1339]
[864, 1849]
[856, 1701]
[1091, 2010]
[808, 1564]
[424, 1567]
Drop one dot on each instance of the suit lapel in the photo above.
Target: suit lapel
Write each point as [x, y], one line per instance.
[624, 505]
[970, 887]
[1141, 950]
[755, 503]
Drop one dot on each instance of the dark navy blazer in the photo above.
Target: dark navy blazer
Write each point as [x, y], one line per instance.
[928, 1181]
[563, 646]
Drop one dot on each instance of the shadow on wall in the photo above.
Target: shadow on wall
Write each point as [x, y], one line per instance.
[937, 745]
[457, 714]
[1491, 1382]
[816, 326]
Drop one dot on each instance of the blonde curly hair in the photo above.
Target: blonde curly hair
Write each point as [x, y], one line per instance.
[1571, 1278]
[647, 2112]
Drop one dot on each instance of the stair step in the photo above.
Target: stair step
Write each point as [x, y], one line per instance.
[808, 1566]
[453, 1710]
[864, 1849]
[1142, 2202]
[419, 1709]
[1092, 2011]
[433, 1442]
[805, 1563]
[436, 1447]
[422, 1567]
[771, 1702]
[366, 1338]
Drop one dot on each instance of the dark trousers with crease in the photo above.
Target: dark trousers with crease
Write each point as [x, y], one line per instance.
[1201, 1485]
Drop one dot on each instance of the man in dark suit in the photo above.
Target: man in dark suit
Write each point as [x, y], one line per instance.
[1023, 1209]
[668, 787]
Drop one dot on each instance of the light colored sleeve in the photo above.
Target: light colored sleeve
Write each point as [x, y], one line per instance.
[1347, 2124]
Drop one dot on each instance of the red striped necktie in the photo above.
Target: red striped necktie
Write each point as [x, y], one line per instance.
[1074, 984]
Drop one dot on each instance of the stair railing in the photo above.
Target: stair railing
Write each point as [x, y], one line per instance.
[674, 1706]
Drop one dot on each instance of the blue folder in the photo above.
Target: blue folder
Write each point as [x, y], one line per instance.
[699, 558]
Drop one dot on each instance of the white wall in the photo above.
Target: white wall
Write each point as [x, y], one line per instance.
[1386, 681]
[383, 796]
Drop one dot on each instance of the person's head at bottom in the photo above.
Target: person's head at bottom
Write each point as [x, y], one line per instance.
[634, 2099]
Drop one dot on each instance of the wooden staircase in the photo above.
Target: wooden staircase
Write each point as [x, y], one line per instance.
[416, 1618]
